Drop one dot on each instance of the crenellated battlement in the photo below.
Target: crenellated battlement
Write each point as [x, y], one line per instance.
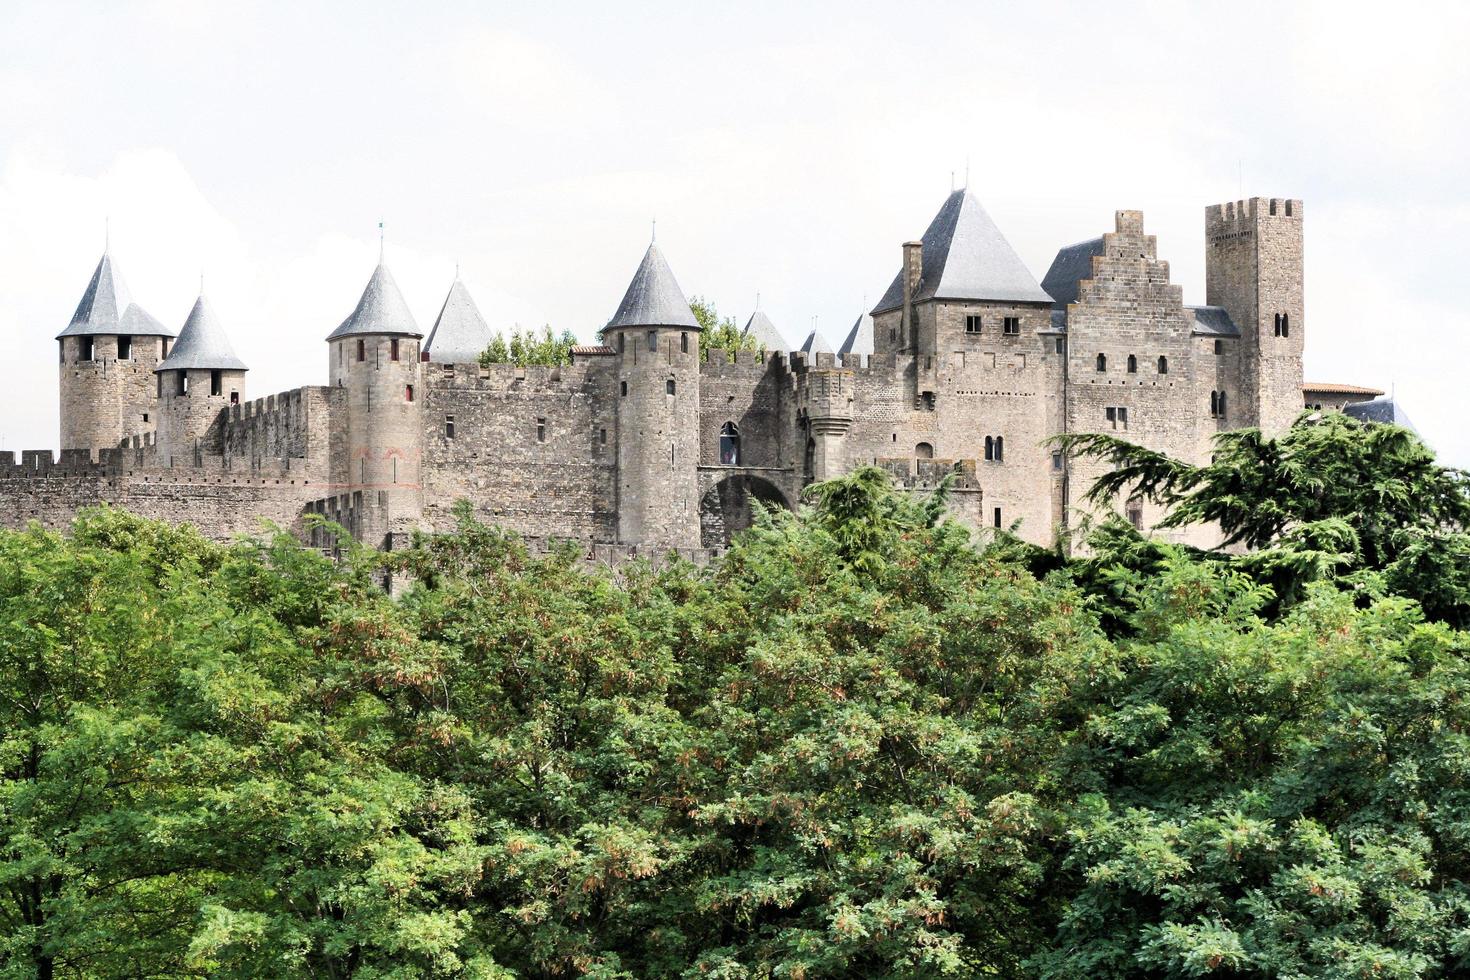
[927, 474]
[1248, 210]
[754, 365]
[505, 377]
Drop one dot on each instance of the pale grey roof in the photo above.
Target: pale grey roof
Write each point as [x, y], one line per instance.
[106, 309]
[764, 331]
[654, 298]
[381, 310]
[859, 339]
[460, 334]
[202, 344]
[815, 343]
[1213, 321]
[966, 257]
[1380, 410]
[1072, 265]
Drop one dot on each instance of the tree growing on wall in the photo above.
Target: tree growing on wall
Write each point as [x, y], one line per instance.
[717, 332]
[531, 347]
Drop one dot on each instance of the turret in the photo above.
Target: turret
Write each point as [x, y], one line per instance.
[197, 382]
[1253, 268]
[656, 340]
[374, 359]
[108, 354]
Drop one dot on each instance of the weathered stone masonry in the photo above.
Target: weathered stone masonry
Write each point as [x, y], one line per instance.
[645, 442]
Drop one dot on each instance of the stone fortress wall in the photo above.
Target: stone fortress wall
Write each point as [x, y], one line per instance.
[647, 443]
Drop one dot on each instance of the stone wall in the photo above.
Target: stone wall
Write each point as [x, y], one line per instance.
[533, 449]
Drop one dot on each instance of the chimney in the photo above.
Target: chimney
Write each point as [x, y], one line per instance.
[913, 272]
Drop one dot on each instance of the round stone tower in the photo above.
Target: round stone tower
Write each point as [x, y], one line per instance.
[108, 354]
[197, 383]
[374, 360]
[656, 338]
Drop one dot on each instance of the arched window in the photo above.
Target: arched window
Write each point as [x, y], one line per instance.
[810, 463]
[1132, 364]
[1286, 324]
[924, 451]
[1000, 449]
[989, 449]
[1102, 362]
[1214, 404]
[730, 444]
[684, 343]
[1163, 365]
[1222, 404]
[653, 341]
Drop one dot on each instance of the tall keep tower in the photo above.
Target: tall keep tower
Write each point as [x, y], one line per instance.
[374, 358]
[1253, 268]
[108, 355]
[197, 382]
[656, 338]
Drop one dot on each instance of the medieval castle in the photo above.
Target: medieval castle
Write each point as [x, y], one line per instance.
[646, 442]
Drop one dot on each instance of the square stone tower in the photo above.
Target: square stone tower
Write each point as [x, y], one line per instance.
[1253, 268]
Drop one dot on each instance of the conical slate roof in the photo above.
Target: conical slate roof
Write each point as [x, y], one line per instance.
[461, 333]
[202, 344]
[654, 298]
[381, 310]
[966, 257]
[815, 343]
[106, 309]
[1385, 410]
[860, 338]
[764, 331]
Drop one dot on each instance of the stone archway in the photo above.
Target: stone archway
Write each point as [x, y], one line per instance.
[726, 509]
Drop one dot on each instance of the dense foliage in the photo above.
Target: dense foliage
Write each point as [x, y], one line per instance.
[860, 745]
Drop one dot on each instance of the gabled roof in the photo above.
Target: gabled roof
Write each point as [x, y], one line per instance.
[1379, 410]
[764, 331]
[1213, 321]
[815, 343]
[202, 344]
[966, 257]
[381, 310]
[654, 298]
[1072, 265]
[106, 309]
[859, 339]
[461, 333]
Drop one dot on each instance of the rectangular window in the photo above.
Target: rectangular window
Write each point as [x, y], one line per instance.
[88, 345]
[216, 384]
[393, 349]
[653, 341]
[1056, 461]
[234, 398]
[1061, 345]
[997, 517]
[408, 393]
[145, 416]
[1219, 347]
[540, 430]
[160, 386]
[124, 348]
[1135, 515]
[684, 342]
[622, 342]
[1118, 417]
[164, 347]
[1012, 325]
[972, 324]
[183, 388]
[362, 350]
[602, 436]
[449, 426]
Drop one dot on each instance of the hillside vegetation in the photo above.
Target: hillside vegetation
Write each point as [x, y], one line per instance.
[865, 743]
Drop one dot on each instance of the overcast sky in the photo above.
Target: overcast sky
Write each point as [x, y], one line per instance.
[785, 149]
